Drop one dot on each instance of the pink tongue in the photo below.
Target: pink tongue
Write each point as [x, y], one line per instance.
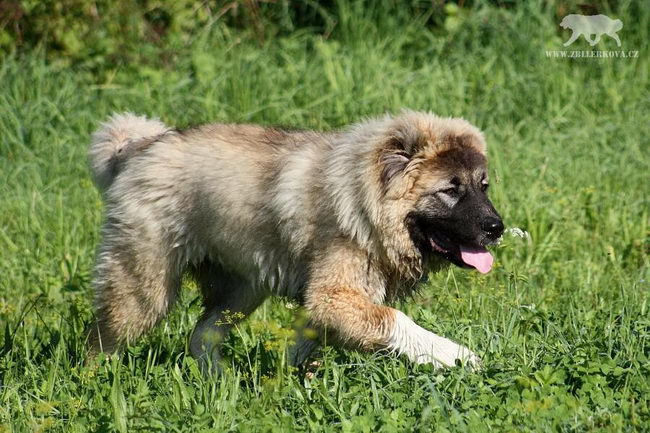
[480, 258]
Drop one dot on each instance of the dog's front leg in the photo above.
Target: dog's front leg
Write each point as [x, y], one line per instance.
[575, 35]
[352, 319]
[422, 346]
[593, 41]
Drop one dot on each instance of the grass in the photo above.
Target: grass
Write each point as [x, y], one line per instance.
[561, 323]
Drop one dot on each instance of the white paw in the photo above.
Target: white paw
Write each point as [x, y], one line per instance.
[425, 347]
[446, 354]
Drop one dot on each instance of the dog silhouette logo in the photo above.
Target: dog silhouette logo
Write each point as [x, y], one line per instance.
[588, 25]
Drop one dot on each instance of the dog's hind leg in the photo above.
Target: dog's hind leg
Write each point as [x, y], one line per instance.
[228, 298]
[615, 37]
[136, 281]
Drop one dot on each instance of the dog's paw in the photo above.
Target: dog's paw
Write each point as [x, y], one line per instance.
[425, 347]
[450, 355]
[472, 360]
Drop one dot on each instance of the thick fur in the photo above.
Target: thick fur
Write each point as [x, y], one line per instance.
[252, 211]
[113, 139]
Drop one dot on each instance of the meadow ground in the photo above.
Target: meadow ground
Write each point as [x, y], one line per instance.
[562, 322]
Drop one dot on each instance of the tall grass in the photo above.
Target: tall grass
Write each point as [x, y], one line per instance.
[561, 323]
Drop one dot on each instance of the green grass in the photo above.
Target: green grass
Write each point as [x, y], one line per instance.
[561, 323]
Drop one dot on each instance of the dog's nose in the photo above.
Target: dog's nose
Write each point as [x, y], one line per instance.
[493, 227]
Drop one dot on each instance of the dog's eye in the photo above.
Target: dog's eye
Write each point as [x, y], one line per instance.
[453, 191]
[484, 186]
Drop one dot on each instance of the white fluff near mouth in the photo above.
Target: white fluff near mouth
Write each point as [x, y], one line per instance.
[516, 232]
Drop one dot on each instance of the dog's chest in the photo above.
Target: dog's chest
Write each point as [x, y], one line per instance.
[279, 273]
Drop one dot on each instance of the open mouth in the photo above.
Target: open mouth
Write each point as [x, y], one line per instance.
[466, 256]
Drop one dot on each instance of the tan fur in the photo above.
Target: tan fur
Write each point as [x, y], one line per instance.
[254, 211]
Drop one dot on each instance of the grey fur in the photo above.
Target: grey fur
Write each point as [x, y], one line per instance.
[255, 211]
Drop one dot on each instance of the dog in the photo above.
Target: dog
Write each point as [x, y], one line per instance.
[587, 25]
[342, 221]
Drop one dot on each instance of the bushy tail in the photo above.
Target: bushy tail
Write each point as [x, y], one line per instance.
[113, 138]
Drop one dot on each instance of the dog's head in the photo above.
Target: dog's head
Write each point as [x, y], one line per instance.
[570, 21]
[435, 169]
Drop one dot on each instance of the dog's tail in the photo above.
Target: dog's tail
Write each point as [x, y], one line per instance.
[113, 140]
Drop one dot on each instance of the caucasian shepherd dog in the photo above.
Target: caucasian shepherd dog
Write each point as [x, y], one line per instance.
[341, 221]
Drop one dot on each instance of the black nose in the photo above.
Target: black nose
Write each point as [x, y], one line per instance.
[493, 227]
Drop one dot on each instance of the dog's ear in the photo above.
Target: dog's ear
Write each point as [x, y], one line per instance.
[401, 144]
